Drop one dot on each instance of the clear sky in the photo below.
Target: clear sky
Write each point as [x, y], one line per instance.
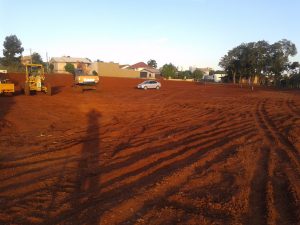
[183, 32]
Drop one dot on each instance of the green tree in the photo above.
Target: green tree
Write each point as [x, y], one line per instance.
[211, 72]
[51, 67]
[168, 70]
[152, 63]
[12, 51]
[198, 74]
[231, 64]
[186, 74]
[258, 59]
[279, 58]
[69, 67]
[36, 58]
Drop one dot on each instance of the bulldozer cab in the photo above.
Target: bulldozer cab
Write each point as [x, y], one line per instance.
[35, 70]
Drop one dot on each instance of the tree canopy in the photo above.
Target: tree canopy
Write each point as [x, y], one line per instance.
[12, 51]
[152, 63]
[168, 70]
[69, 67]
[258, 58]
[36, 58]
[198, 74]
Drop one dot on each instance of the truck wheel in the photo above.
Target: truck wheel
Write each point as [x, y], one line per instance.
[26, 89]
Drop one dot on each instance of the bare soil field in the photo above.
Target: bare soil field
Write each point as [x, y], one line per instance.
[186, 154]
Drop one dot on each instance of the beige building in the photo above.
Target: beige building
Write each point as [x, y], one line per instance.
[113, 70]
[150, 73]
[205, 70]
[26, 59]
[60, 62]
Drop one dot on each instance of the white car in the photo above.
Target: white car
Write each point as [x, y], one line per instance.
[149, 84]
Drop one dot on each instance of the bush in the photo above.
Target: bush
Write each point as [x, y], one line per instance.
[197, 74]
[69, 67]
[51, 67]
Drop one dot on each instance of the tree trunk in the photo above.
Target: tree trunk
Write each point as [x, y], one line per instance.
[234, 73]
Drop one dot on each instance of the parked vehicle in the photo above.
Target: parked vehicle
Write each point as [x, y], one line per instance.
[149, 84]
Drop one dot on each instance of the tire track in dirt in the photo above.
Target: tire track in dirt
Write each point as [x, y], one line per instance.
[53, 174]
[185, 139]
[281, 193]
[292, 107]
[258, 199]
[151, 178]
[279, 139]
[158, 162]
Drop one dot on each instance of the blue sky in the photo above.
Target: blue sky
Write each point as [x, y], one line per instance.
[183, 32]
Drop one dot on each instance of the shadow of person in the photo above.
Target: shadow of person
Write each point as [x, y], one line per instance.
[87, 182]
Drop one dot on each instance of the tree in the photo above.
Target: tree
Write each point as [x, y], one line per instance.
[12, 48]
[186, 74]
[198, 74]
[51, 67]
[152, 63]
[279, 57]
[36, 58]
[69, 67]
[231, 64]
[168, 70]
[258, 59]
[211, 72]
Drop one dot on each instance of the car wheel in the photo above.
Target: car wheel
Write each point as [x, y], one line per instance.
[145, 88]
[157, 87]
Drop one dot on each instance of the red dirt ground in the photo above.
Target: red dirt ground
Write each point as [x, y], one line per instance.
[186, 154]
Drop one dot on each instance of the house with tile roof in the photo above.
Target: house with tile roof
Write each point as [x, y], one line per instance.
[140, 66]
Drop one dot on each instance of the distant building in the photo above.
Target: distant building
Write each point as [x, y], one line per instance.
[60, 62]
[113, 70]
[26, 59]
[150, 73]
[219, 75]
[205, 70]
[126, 66]
[140, 66]
[216, 77]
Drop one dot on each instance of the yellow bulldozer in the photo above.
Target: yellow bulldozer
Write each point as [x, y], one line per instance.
[35, 80]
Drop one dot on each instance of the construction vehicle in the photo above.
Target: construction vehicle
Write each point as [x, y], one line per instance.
[35, 79]
[83, 80]
[6, 87]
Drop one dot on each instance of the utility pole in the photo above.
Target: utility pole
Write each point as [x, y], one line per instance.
[47, 62]
[30, 56]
